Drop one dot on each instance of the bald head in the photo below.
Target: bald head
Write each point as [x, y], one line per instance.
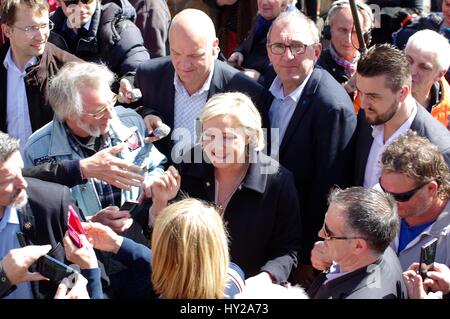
[193, 23]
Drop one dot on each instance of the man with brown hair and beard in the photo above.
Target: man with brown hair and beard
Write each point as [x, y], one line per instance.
[388, 110]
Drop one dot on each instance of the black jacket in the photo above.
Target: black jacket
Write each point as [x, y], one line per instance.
[318, 149]
[327, 63]
[36, 84]
[262, 216]
[112, 39]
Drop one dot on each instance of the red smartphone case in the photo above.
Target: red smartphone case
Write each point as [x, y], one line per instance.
[75, 228]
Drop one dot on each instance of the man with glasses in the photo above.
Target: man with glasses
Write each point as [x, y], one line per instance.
[85, 123]
[312, 123]
[358, 227]
[415, 173]
[388, 110]
[99, 33]
[27, 63]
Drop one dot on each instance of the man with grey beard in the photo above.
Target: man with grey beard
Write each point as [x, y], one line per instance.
[25, 206]
[86, 122]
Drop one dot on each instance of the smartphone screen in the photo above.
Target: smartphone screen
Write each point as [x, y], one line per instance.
[129, 205]
[427, 256]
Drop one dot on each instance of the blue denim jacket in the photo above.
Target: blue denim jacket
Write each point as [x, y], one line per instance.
[50, 144]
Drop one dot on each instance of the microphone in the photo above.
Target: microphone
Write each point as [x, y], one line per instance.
[161, 131]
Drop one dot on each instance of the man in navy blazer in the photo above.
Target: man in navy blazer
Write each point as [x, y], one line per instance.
[312, 122]
[174, 89]
[388, 110]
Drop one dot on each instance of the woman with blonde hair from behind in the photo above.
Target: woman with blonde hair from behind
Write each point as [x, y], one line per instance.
[190, 252]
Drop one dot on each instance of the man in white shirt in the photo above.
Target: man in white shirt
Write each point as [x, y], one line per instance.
[388, 110]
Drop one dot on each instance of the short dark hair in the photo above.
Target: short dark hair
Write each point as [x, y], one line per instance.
[9, 8]
[419, 159]
[8, 145]
[369, 213]
[385, 59]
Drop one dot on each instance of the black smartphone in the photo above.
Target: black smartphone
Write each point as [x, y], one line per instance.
[53, 269]
[129, 205]
[427, 256]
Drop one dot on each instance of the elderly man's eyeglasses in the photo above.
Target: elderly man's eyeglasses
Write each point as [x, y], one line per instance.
[327, 234]
[280, 48]
[102, 109]
[75, 2]
[33, 29]
[403, 197]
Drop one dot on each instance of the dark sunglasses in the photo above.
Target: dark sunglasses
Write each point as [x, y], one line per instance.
[327, 234]
[70, 2]
[403, 197]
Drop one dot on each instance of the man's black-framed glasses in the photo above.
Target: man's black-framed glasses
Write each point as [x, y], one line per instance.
[280, 48]
[327, 234]
[405, 196]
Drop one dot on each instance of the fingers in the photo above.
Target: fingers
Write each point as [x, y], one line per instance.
[62, 289]
[152, 122]
[34, 276]
[125, 89]
[414, 266]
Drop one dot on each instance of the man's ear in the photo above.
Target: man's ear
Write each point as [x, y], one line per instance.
[6, 30]
[440, 75]
[404, 92]
[216, 47]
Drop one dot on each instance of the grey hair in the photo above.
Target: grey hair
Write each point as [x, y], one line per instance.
[369, 213]
[363, 8]
[64, 88]
[8, 145]
[429, 41]
[298, 18]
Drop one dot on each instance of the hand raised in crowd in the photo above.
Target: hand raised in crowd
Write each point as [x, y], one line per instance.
[106, 166]
[320, 258]
[151, 123]
[84, 257]
[252, 74]
[438, 281]
[236, 57]
[103, 237]
[17, 261]
[125, 96]
[111, 216]
[69, 290]
[163, 189]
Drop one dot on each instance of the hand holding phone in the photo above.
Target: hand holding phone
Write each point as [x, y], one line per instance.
[75, 228]
[427, 256]
[54, 269]
[129, 205]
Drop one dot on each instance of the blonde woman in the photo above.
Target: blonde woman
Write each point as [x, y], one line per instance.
[255, 195]
[189, 257]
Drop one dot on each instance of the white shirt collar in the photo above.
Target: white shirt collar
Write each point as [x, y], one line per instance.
[11, 214]
[179, 87]
[9, 62]
[277, 89]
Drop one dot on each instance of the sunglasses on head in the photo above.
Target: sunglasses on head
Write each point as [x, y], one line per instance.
[75, 2]
[403, 197]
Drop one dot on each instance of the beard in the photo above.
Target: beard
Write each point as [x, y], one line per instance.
[386, 116]
[20, 199]
[92, 131]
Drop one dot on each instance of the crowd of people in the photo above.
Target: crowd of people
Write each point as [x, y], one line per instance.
[231, 149]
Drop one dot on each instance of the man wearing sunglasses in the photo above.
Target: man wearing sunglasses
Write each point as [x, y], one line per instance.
[315, 119]
[99, 33]
[415, 173]
[27, 62]
[358, 227]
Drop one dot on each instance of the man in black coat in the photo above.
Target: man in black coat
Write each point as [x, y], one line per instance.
[175, 89]
[312, 123]
[25, 206]
[388, 110]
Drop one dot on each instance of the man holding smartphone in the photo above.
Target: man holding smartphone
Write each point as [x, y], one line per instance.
[43, 222]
